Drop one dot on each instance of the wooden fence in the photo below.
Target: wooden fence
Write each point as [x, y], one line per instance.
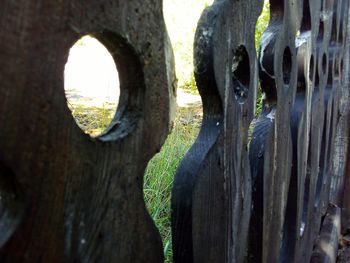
[279, 195]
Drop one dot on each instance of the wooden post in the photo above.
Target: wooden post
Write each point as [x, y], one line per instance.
[297, 151]
[64, 196]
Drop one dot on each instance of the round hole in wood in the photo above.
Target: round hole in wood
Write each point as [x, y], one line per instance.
[91, 85]
[311, 67]
[324, 63]
[320, 31]
[287, 65]
[336, 68]
[341, 66]
[241, 74]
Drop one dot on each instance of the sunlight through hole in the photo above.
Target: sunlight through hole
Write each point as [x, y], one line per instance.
[91, 85]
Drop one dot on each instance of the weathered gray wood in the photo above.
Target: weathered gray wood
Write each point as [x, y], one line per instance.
[344, 256]
[345, 116]
[326, 248]
[346, 192]
[211, 198]
[79, 199]
[315, 129]
[66, 197]
[299, 146]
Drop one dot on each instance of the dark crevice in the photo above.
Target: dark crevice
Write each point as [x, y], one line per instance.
[241, 74]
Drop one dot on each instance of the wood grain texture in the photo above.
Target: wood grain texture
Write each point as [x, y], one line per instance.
[66, 197]
[326, 248]
[80, 199]
[299, 145]
[211, 197]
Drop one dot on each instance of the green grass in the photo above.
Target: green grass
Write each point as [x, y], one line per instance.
[261, 25]
[160, 173]
[161, 169]
[92, 120]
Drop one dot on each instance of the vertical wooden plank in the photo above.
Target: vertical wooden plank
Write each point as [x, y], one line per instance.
[346, 116]
[278, 74]
[317, 163]
[211, 199]
[326, 249]
[83, 198]
[346, 190]
[298, 148]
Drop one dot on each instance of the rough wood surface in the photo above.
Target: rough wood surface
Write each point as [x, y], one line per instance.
[299, 145]
[344, 256]
[212, 188]
[326, 247]
[66, 197]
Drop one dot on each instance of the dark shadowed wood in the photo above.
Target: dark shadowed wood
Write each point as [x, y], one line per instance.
[278, 197]
[346, 192]
[326, 248]
[299, 145]
[66, 197]
[318, 159]
[211, 198]
[344, 256]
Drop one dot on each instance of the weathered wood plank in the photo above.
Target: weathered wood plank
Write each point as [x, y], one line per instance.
[326, 248]
[299, 145]
[345, 116]
[211, 197]
[344, 256]
[83, 198]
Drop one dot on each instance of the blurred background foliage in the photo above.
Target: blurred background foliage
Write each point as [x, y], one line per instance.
[181, 17]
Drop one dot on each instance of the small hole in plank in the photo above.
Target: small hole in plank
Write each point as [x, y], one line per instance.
[317, 77]
[91, 85]
[324, 63]
[287, 65]
[320, 31]
[341, 67]
[312, 68]
[241, 74]
[336, 68]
